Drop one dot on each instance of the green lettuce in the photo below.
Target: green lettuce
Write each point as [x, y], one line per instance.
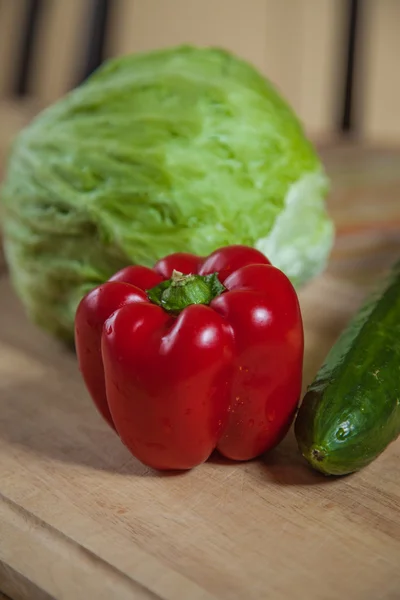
[184, 149]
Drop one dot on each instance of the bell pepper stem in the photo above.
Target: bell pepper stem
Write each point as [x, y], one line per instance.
[181, 290]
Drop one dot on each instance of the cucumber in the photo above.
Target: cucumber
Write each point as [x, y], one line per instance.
[351, 411]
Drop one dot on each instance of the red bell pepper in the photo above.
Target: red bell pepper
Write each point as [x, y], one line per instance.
[194, 355]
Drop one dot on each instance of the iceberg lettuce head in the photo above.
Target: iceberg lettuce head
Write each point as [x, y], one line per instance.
[183, 149]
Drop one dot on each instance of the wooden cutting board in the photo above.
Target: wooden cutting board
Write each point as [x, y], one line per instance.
[81, 519]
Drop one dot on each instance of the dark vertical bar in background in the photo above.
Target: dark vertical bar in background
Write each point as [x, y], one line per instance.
[348, 119]
[96, 37]
[23, 63]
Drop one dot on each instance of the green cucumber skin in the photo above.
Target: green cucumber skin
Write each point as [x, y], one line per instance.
[351, 411]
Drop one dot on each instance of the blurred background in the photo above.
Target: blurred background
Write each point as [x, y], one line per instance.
[334, 60]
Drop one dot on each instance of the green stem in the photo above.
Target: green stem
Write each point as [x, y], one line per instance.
[181, 291]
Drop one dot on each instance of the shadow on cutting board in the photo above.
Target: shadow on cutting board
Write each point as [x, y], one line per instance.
[42, 418]
[52, 420]
[283, 465]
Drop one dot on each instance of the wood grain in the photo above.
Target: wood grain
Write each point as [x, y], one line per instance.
[80, 518]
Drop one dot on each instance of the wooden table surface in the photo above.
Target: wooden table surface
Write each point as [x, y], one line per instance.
[81, 519]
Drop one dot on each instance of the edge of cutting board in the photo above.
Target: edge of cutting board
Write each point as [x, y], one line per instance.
[69, 562]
